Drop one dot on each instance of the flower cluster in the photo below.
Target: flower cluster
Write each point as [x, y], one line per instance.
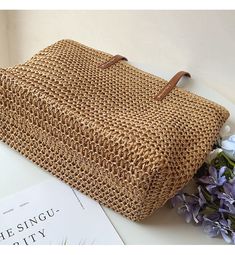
[213, 203]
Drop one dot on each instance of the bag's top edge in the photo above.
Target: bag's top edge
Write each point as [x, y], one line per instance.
[104, 57]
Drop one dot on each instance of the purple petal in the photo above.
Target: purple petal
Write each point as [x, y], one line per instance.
[195, 214]
[232, 190]
[186, 214]
[223, 210]
[221, 180]
[224, 198]
[211, 230]
[228, 208]
[223, 223]
[188, 217]
[211, 188]
[202, 199]
[182, 210]
[227, 188]
[231, 208]
[233, 237]
[225, 236]
[222, 170]
[213, 217]
[213, 172]
[200, 218]
[177, 200]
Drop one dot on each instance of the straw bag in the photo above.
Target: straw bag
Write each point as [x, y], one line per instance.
[124, 137]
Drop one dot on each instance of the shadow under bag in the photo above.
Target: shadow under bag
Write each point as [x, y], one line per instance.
[124, 137]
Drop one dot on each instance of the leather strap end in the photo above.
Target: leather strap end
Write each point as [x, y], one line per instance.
[171, 85]
[112, 61]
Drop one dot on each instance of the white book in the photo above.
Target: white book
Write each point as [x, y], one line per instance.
[53, 213]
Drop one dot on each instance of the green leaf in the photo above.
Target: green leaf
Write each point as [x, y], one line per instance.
[230, 162]
[232, 218]
[208, 210]
[206, 194]
[222, 160]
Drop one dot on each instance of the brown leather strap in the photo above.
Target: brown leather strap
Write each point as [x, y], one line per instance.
[171, 85]
[112, 61]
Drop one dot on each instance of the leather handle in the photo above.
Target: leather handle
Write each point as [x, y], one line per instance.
[171, 85]
[112, 61]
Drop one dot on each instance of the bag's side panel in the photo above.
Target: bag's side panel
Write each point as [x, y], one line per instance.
[51, 153]
[193, 128]
[1, 104]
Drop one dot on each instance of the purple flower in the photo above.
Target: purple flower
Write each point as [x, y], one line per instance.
[215, 178]
[202, 201]
[213, 206]
[216, 228]
[213, 216]
[233, 237]
[229, 193]
[188, 206]
[228, 208]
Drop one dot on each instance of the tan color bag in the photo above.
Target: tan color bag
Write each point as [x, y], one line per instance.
[124, 137]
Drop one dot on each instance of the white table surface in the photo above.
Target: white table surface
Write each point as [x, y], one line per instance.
[165, 226]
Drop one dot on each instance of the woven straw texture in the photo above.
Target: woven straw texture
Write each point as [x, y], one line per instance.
[101, 130]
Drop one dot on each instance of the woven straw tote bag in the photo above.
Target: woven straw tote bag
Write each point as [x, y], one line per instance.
[124, 137]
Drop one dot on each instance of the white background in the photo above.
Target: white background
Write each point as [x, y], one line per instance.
[4, 57]
[160, 42]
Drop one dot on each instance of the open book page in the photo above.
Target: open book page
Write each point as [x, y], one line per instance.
[53, 213]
